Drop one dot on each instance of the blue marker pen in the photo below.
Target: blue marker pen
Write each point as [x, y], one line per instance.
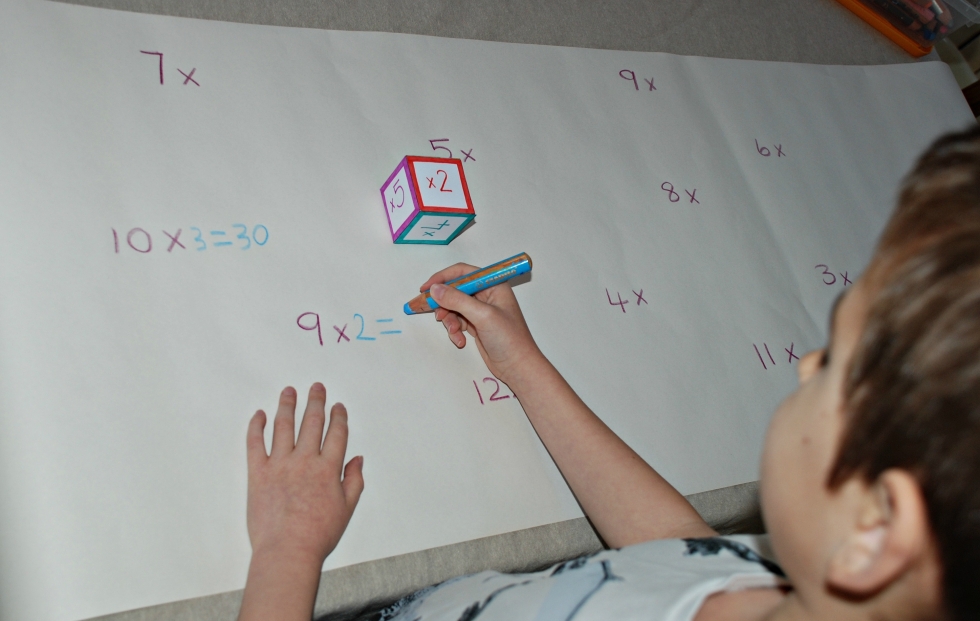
[474, 282]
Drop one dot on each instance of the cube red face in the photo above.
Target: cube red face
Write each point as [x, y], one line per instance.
[427, 201]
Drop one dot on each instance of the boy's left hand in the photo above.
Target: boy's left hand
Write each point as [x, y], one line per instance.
[298, 504]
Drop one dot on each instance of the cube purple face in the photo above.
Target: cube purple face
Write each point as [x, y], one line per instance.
[427, 201]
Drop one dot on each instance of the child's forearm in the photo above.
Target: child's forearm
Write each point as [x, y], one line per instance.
[280, 587]
[626, 500]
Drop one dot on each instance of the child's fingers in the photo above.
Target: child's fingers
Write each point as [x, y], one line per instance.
[353, 483]
[311, 429]
[255, 441]
[284, 427]
[455, 300]
[442, 313]
[453, 271]
[451, 321]
[500, 297]
[335, 444]
[455, 325]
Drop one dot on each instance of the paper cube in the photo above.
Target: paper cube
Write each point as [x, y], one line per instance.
[427, 201]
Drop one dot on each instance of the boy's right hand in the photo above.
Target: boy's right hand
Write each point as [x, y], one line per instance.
[493, 319]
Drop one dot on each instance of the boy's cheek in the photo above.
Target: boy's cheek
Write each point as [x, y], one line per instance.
[787, 509]
[787, 478]
[799, 446]
[775, 485]
[778, 437]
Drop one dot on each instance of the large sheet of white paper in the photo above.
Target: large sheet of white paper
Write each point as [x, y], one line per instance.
[175, 195]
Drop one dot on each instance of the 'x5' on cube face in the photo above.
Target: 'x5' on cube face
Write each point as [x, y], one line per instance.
[427, 200]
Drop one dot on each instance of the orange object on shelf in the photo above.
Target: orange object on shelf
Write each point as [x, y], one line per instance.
[886, 28]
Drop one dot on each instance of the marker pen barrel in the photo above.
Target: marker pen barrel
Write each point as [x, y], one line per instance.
[474, 282]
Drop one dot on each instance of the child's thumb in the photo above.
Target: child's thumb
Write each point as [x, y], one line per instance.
[455, 300]
[353, 483]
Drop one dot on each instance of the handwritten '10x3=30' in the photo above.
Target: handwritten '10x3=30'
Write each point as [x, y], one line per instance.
[140, 240]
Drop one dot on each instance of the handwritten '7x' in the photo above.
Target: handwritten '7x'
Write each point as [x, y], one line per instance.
[188, 77]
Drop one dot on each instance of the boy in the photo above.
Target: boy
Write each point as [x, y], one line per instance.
[869, 472]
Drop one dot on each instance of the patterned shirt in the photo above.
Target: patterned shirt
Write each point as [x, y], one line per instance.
[660, 580]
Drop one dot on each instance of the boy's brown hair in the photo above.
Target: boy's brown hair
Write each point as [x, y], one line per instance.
[912, 394]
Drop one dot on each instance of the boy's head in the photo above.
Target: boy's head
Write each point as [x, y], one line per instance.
[871, 472]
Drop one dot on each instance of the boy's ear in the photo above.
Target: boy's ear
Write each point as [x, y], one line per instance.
[890, 535]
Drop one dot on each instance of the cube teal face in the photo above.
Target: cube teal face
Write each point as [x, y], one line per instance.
[429, 228]
[427, 201]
